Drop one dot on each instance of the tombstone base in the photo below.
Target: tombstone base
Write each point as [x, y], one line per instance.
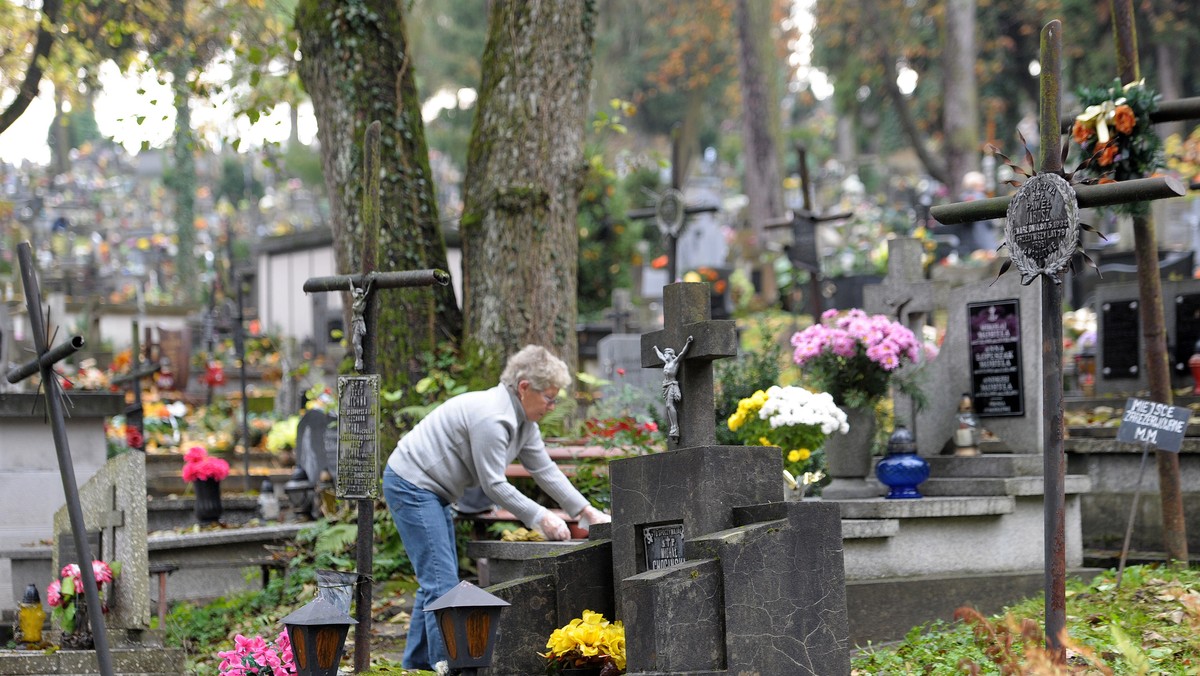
[851, 489]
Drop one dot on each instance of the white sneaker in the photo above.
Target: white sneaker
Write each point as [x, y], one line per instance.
[442, 668]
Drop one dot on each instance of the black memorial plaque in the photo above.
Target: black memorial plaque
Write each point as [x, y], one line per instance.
[1042, 226]
[358, 437]
[994, 336]
[1120, 341]
[1155, 424]
[1187, 330]
[663, 545]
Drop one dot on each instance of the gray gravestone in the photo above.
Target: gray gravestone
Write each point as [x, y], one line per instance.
[114, 506]
[316, 444]
[620, 357]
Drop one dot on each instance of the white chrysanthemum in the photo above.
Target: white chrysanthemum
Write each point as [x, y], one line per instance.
[797, 406]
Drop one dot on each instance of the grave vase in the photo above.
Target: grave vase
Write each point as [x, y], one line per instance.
[848, 458]
[208, 501]
[79, 638]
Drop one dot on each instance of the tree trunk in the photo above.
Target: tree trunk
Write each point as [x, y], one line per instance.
[764, 186]
[184, 180]
[37, 64]
[960, 114]
[357, 69]
[525, 166]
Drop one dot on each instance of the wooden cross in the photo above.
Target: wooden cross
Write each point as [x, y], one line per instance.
[1054, 459]
[669, 210]
[363, 286]
[44, 363]
[687, 311]
[803, 252]
[133, 414]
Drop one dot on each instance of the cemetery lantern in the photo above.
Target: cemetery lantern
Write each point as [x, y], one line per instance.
[902, 470]
[31, 616]
[318, 635]
[966, 436]
[467, 617]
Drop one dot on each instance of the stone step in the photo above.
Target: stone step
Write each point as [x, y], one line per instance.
[862, 529]
[1014, 486]
[987, 465]
[882, 508]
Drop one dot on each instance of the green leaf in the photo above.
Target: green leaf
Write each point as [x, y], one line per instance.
[255, 56]
[424, 385]
[336, 538]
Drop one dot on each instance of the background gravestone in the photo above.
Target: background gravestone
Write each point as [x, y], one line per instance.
[1120, 368]
[316, 444]
[114, 504]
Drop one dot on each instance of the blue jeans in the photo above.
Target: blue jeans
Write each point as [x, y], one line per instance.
[426, 526]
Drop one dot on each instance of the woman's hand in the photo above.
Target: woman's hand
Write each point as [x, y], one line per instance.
[553, 527]
[591, 515]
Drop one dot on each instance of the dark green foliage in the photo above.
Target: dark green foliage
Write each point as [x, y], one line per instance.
[1139, 153]
[739, 378]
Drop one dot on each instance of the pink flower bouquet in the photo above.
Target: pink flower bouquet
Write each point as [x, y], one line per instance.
[257, 656]
[66, 592]
[198, 465]
[855, 356]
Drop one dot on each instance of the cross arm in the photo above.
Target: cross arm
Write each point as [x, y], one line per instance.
[49, 358]
[1089, 196]
[378, 280]
[713, 339]
[148, 370]
[1178, 110]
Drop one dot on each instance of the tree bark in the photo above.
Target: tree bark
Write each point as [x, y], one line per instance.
[37, 58]
[960, 114]
[184, 180]
[763, 182]
[525, 166]
[356, 67]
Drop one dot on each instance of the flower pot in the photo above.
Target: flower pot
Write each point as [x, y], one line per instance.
[208, 501]
[79, 638]
[848, 458]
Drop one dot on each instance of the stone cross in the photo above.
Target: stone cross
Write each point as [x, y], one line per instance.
[1054, 458]
[803, 252]
[110, 521]
[44, 363]
[621, 311]
[686, 312]
[908, 297]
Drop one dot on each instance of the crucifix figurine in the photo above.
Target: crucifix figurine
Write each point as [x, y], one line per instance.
[688, 375]
[671, 393]
[358, 320]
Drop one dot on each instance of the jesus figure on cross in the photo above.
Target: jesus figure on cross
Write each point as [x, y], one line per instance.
[671, 392]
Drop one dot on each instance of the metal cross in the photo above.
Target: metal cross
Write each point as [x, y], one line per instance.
[44, 363]
[1054, 459]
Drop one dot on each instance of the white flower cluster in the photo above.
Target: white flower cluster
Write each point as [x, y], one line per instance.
[797, 406]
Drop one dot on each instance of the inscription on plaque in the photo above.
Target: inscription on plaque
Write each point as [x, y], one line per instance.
[358, 437]
[1120, 342]
[663, 545]
[1042, 227]
[994, 334]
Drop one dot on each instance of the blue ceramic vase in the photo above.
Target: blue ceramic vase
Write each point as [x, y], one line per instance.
[902, 470]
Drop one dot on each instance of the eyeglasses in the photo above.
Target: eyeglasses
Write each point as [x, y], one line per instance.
[550, 401]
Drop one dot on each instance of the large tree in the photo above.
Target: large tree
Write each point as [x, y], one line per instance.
[525, 167]
[355, 66]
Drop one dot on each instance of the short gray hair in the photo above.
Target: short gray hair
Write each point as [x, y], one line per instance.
[537, 365]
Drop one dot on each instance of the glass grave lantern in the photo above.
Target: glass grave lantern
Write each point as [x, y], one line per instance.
[467, 618]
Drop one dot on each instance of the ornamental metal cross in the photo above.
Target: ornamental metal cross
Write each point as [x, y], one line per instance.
[44, 363]
[695, 340]
[1040, 226]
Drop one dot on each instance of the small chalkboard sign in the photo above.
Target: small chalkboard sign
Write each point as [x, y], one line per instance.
[358, 437]
[663, 545]
[1154, 424]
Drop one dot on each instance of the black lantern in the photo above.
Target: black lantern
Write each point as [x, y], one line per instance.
[318, 635]
[467, 617]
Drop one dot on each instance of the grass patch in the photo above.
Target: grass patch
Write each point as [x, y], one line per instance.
[1147, 626]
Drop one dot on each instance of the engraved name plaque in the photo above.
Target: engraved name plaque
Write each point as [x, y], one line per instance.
[1042, 227]
[358, 437]
[664, 545]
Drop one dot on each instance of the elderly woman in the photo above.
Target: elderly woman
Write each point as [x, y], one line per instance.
[468, 441]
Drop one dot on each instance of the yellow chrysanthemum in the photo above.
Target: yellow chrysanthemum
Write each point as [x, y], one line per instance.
[802, 454]
[794, 456]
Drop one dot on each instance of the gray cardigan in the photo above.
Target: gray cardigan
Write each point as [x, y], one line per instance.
[469, 440]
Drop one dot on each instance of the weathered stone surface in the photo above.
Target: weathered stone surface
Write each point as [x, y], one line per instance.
[784, 592]
[674, 619]
[525, 626]
[125, 662]
[692, 485]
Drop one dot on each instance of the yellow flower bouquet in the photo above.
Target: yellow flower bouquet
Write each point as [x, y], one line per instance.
[587, 642]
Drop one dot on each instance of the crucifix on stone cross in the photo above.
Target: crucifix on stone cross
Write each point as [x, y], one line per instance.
[1042, 234]
[44, 363]
[361, 288]
[695, 341]
[803, 252]
[670, 211]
